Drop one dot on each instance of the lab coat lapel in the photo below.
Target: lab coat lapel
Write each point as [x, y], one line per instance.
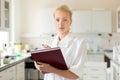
[55, 41]
[64, 42]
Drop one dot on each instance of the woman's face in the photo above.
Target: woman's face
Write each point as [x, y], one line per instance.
[63, 21]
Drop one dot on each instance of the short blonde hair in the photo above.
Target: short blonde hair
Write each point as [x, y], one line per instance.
[64, 8]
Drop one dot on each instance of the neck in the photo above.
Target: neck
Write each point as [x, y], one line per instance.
[62, 35]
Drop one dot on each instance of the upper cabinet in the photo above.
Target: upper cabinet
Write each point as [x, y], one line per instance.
[6, 6]
[118, 20]
[101, 21]
[96, 21]
[4, 14]
[81, 21]
[46, 20]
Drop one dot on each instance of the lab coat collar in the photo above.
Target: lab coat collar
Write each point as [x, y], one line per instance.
[63, 41]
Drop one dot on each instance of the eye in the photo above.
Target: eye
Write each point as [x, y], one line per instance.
[57, 20]
[64, 19]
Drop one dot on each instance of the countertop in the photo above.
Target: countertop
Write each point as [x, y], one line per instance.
[26, 56]
[110, 56]
[15, 61]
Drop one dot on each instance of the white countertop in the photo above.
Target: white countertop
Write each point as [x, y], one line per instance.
[110, 56]
[14, 61]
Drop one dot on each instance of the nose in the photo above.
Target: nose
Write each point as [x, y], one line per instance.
[60, 22]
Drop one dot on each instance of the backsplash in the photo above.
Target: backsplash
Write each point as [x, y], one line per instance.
[95, 42]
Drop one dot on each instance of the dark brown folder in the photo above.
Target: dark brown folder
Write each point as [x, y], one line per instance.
[52, 56]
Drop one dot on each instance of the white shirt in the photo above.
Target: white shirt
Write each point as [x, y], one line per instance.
[74, 51]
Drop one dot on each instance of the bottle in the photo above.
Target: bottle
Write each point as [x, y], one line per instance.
[18, 48]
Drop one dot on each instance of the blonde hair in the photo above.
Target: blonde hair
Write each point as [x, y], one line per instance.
[64, 8]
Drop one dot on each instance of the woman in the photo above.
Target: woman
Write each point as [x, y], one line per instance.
[73, 49]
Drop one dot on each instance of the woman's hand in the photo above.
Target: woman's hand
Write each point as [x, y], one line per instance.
[48, 68]
[46, 46]
[43, 67]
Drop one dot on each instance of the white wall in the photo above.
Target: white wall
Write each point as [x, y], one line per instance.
[15, 18]
[31, 10]
[27, 12]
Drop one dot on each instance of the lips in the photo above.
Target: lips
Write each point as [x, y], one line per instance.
[61, 28]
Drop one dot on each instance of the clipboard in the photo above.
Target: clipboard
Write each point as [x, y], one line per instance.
[52, 56]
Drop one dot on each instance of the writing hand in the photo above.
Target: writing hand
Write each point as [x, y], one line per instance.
[46, 46]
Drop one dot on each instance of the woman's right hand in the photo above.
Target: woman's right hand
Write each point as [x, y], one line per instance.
[46, 46]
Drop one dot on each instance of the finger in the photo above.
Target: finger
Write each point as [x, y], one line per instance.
[46, 46]
[36, 66]
[40, 63]
[35, 63]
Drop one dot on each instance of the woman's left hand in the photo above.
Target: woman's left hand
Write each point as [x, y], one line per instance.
[43, 67]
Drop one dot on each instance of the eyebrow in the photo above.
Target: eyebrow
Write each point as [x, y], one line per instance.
[63, 17]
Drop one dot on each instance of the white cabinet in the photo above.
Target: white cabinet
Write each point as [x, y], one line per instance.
[16, 72]
[118, 20]
[45, 21]
[97, 21]
[94, 77]
[11, 72]
[81, 21]
[94, 71]
[20, 71]
[4, 14]
[115, 68]
[95, 57]
[109, 73]
[101, 21]
[94, 67]
[2, 75]
[8, 74]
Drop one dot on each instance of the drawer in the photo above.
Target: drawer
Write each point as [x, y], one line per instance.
[97, 58]
[94, 77]
[95, 67]
[94, 71]
[95, 64]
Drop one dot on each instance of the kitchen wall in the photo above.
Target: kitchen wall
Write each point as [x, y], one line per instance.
[95, 43]
[31, 8]
[28, 12]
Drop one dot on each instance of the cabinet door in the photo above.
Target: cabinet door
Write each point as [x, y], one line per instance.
[20, 71]
[11, 72]
[45, 21]
[101, 21]
[118, 20]
[0, 13]
[115, 68]
[95, 57]
[81, 21]
[4, 14]
[6, 7]
[3, 75]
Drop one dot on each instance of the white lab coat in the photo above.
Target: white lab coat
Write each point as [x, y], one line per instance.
[74, 52]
